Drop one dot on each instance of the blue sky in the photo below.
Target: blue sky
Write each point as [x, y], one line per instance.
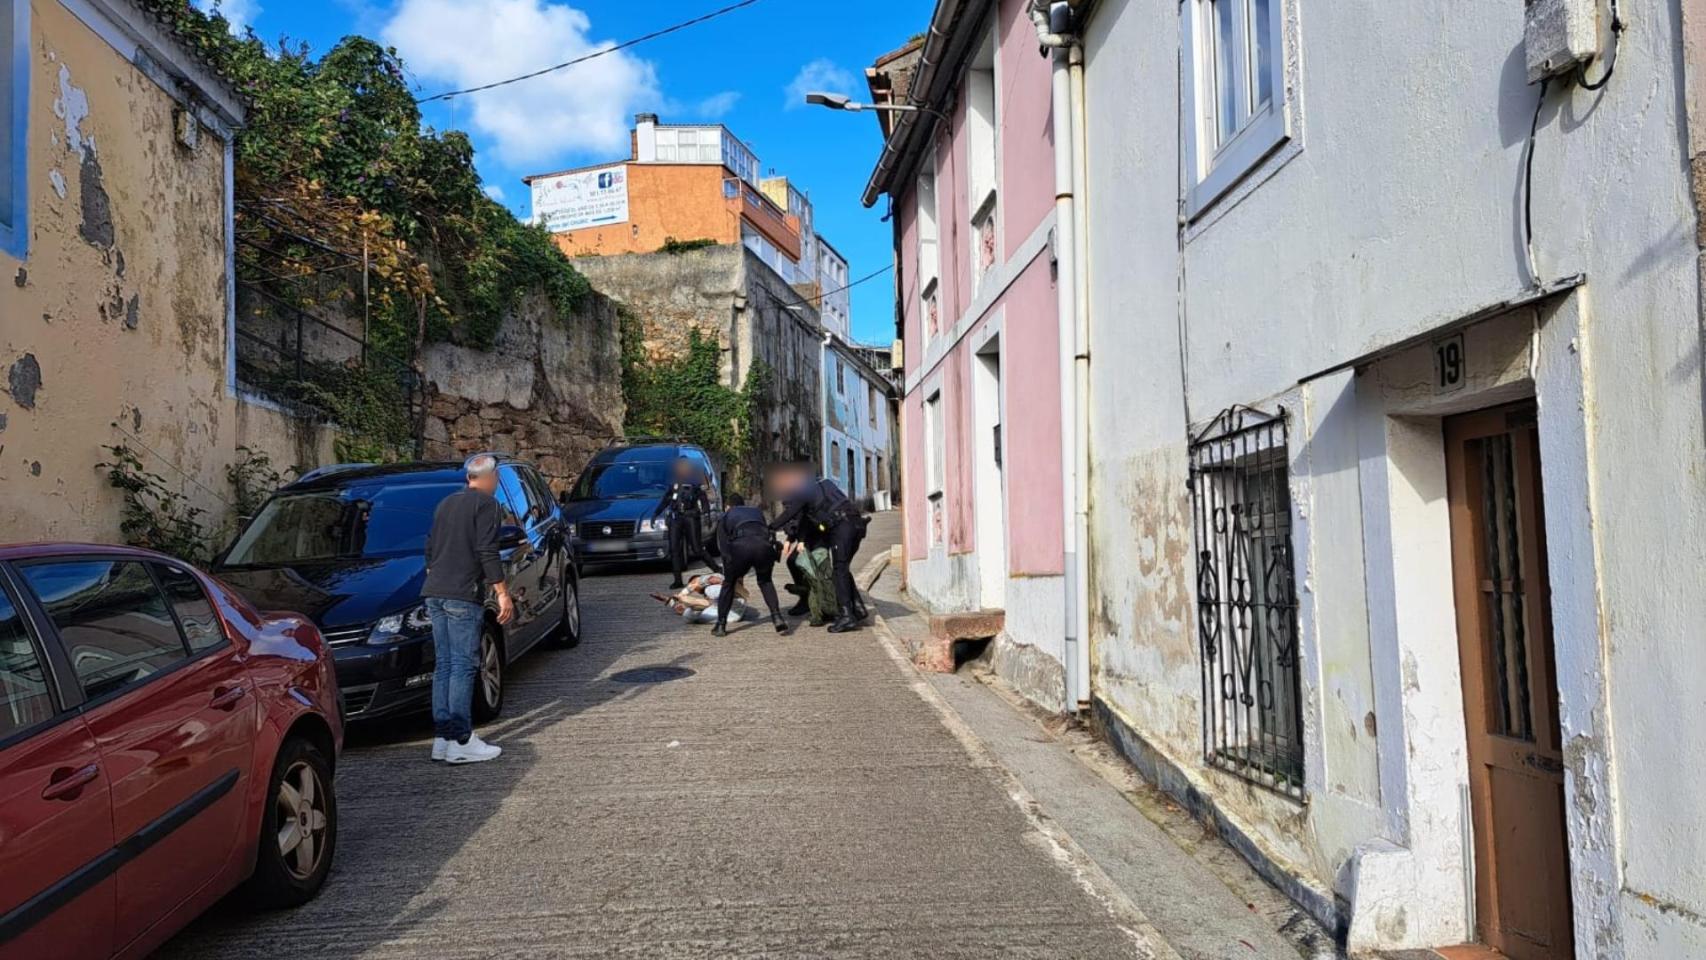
[747, 69]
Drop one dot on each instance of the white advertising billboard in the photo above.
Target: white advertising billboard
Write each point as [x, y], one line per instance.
[585, 198]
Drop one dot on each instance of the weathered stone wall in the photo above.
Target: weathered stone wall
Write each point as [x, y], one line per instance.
[114, 322]
[550, 389]
[731, 297]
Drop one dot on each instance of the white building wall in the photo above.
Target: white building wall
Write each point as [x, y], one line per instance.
[856, 418]
[1395, 209]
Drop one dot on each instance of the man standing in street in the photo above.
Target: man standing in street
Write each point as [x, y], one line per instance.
[683, 507]
[462, 560]
[817, 503]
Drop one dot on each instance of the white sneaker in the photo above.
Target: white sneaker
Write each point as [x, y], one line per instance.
[474, 751]
[439, 746]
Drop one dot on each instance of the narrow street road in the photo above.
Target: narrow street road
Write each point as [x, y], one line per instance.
[793, 797]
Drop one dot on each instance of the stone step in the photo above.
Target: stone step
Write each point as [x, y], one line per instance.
[940, 651]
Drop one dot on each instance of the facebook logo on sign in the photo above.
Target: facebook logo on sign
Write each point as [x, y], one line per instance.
[606, 180]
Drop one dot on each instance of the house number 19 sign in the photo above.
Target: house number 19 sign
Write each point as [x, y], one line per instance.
[1449, 363]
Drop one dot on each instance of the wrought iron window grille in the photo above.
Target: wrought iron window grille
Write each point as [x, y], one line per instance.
[1247, 599]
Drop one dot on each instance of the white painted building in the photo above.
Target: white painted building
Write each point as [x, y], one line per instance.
[1397, 513]
[858, 418]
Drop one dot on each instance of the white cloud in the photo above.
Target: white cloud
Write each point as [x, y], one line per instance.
[820, 74]
[240, 13]
[716, 106]
[535, 123]
[494, 191]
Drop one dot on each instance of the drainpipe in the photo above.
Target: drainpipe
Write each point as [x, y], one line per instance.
[1081, 361]
[1050, 19]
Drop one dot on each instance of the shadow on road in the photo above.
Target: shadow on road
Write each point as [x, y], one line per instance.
[403, 819]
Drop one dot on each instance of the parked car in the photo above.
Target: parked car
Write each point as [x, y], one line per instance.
[609, 509]
[161, 743]
[346, 545]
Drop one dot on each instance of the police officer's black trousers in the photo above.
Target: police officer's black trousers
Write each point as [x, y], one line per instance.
[685, 535]
[844, 539]
[757, 554]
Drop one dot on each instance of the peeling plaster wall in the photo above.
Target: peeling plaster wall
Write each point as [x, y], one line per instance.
[1396, 209]
[115, 323]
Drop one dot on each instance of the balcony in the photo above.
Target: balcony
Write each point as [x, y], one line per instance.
[762, 213]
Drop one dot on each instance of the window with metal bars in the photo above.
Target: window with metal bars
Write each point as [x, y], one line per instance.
[1247, 599]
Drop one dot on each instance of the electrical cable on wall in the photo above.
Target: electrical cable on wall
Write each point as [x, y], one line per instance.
[1528, 187]
[672, 28]
[1617, 28]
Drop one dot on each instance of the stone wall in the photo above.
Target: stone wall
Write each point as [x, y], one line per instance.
[729, 296]
[550, 389]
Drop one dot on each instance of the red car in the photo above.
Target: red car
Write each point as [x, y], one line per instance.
[161, 743]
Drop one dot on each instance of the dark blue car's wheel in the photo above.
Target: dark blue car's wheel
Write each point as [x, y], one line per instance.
[569, 627]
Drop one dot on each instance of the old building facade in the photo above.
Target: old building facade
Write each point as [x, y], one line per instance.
[1386, 405]
[732, 298]
[973, 201]
[116, 323]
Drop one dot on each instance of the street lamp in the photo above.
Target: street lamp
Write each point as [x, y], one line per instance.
[837, 101]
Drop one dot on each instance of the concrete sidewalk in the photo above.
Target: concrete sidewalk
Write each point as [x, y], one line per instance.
[792, 797]
[1201, 897]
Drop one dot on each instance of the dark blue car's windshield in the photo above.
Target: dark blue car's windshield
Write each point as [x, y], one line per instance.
[360, 521]
[621, 480]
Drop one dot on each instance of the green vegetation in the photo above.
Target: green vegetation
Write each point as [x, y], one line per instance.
[672, 245]
[685, 397]
[159, 517]
[335, 168]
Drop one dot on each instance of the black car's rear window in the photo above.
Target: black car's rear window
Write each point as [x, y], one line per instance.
[367, 520]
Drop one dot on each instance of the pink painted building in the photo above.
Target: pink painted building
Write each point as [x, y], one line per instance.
[970, 176]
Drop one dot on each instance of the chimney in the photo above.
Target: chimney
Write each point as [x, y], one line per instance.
[646, 137]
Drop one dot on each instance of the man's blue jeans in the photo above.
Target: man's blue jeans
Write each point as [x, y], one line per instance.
[456, 647]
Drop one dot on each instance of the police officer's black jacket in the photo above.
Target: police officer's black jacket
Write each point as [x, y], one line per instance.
[683, 497]
[819, 505]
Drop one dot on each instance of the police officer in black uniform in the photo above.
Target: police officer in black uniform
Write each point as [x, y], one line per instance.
[683, 505]
[746, 543]
[817, 502]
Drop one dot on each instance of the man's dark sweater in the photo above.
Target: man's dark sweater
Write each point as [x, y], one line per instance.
[462, 549]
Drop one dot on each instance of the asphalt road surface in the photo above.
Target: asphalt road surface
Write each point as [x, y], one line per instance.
[791, 797]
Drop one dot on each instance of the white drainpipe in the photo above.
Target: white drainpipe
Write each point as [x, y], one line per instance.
[1068, 274]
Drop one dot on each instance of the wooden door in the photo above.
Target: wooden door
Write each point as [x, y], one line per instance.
[1510, 698]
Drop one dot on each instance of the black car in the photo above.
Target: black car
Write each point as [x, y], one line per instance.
[610, 508]
[345, 546]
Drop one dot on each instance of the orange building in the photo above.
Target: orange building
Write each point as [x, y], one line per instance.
[680, 182]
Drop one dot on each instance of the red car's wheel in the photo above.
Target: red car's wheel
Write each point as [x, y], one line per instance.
[299, 828]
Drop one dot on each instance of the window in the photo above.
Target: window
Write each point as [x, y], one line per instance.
[113, 620]
[1238, 89]
[513, 507]
[982, 146]
[1247, 600]
[929, 250]
[840, 376]
[15, 102]
[835, 458]
[871, 397]
[24, 697]
[200, 622]
[366, 520]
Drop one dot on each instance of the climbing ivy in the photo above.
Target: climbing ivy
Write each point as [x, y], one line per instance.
[684, 396]
[340, 142]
